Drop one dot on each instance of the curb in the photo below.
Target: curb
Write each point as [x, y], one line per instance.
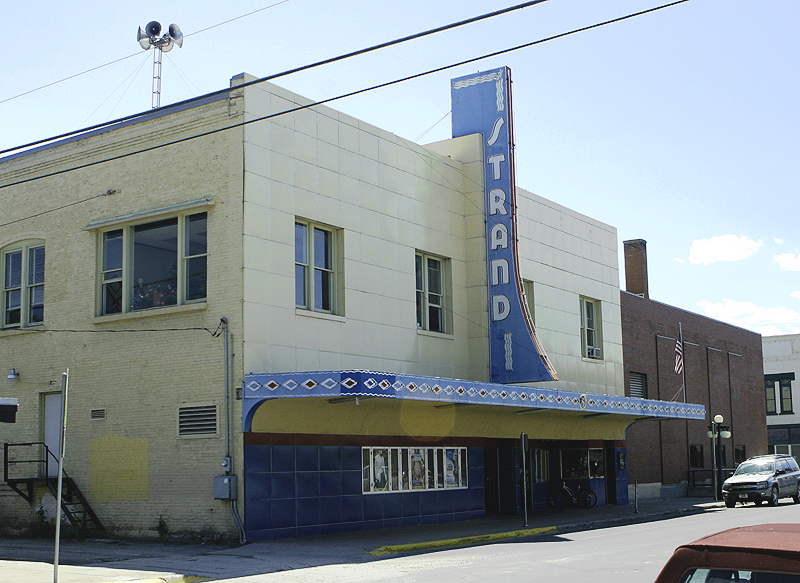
[169, 579]
[459, 542]
[508, 535]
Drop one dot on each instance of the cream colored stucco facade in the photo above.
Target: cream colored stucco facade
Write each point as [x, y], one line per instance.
[392, 198]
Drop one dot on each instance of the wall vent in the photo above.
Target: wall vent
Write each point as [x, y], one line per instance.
[97, 414]
[197, 419]
[638, 385]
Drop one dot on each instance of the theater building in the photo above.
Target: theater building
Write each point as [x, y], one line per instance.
[279, 320]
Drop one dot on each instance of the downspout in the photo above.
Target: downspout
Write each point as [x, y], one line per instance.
[228, 455]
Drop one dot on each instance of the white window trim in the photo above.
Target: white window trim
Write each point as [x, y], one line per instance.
[24, 247]
[404, 456]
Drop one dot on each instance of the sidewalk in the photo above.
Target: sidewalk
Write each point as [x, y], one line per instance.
[101, 561]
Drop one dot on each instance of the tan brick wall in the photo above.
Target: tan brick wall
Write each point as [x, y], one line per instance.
[132, 465]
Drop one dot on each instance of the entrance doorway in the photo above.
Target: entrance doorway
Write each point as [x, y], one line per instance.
[491, 473]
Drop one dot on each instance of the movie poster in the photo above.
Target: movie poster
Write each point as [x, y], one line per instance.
[417, 469]
[380, 470]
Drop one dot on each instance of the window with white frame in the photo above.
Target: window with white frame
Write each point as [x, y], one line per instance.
[431, 289]
[316, 271]
[23, 284]
[407, 469]
[591, 333]
[154, 264]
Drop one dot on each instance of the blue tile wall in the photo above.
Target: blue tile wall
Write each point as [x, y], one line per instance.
[283, 458]
[299, 490]
[307, 484]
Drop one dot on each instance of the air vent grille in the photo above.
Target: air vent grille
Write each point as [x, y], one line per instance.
[197, 419]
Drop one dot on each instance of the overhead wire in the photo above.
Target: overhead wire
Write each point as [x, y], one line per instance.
[129, 79]
[287, 72]
[133, 55]
[322, 101]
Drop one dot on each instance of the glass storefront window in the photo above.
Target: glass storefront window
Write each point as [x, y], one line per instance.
[403, 469]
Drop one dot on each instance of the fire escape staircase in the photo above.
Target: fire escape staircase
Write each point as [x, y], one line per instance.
[74, 504]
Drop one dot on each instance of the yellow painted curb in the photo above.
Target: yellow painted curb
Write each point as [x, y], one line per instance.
[458, 542]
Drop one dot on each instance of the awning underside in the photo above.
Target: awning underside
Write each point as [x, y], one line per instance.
[378, 403]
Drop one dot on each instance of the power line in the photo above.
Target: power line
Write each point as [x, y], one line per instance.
[518, 47]
[287, 72]
[132, 55]
[323, 101]
[236, 18]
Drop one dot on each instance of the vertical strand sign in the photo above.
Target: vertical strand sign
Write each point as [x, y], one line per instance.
[481, 104]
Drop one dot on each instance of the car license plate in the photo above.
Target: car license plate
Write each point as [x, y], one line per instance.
[742, 495]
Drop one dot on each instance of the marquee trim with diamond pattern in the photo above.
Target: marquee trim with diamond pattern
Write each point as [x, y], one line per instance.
[258, 388]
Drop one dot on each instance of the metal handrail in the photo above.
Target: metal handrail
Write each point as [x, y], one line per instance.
[46, 461]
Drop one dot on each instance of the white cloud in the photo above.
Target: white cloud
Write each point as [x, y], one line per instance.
[765, 321]
[788, 261]
[723, 248]
[795, 294]
[777, 241]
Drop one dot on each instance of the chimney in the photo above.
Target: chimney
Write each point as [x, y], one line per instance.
[636, 267]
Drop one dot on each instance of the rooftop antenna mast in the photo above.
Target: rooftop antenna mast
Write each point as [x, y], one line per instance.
[148, 37]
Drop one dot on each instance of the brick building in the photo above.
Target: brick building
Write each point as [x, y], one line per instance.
[723, 371]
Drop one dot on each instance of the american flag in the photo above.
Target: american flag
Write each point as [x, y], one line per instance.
[679, 354]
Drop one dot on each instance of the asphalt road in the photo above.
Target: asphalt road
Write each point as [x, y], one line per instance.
[623, 554]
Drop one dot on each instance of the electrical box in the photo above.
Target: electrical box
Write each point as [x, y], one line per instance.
[225, 488]
[226, 464]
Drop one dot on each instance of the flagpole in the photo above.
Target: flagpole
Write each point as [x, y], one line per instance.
[683, 352]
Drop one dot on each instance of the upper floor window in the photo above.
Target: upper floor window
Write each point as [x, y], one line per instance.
[778, 393]
[316, 267]
[23, 285]
[431, 288]
[769, 389]
[785, 387]
[591, 332]
[156, 264]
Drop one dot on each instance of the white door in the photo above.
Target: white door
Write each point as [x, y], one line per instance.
[52, 430]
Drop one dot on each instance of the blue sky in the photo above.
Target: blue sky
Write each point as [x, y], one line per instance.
[680, 127]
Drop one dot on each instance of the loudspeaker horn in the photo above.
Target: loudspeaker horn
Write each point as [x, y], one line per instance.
[153, 28]
[143, 39]
[176, 34]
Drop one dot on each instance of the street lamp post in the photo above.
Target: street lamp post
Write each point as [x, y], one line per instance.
[717, 432]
